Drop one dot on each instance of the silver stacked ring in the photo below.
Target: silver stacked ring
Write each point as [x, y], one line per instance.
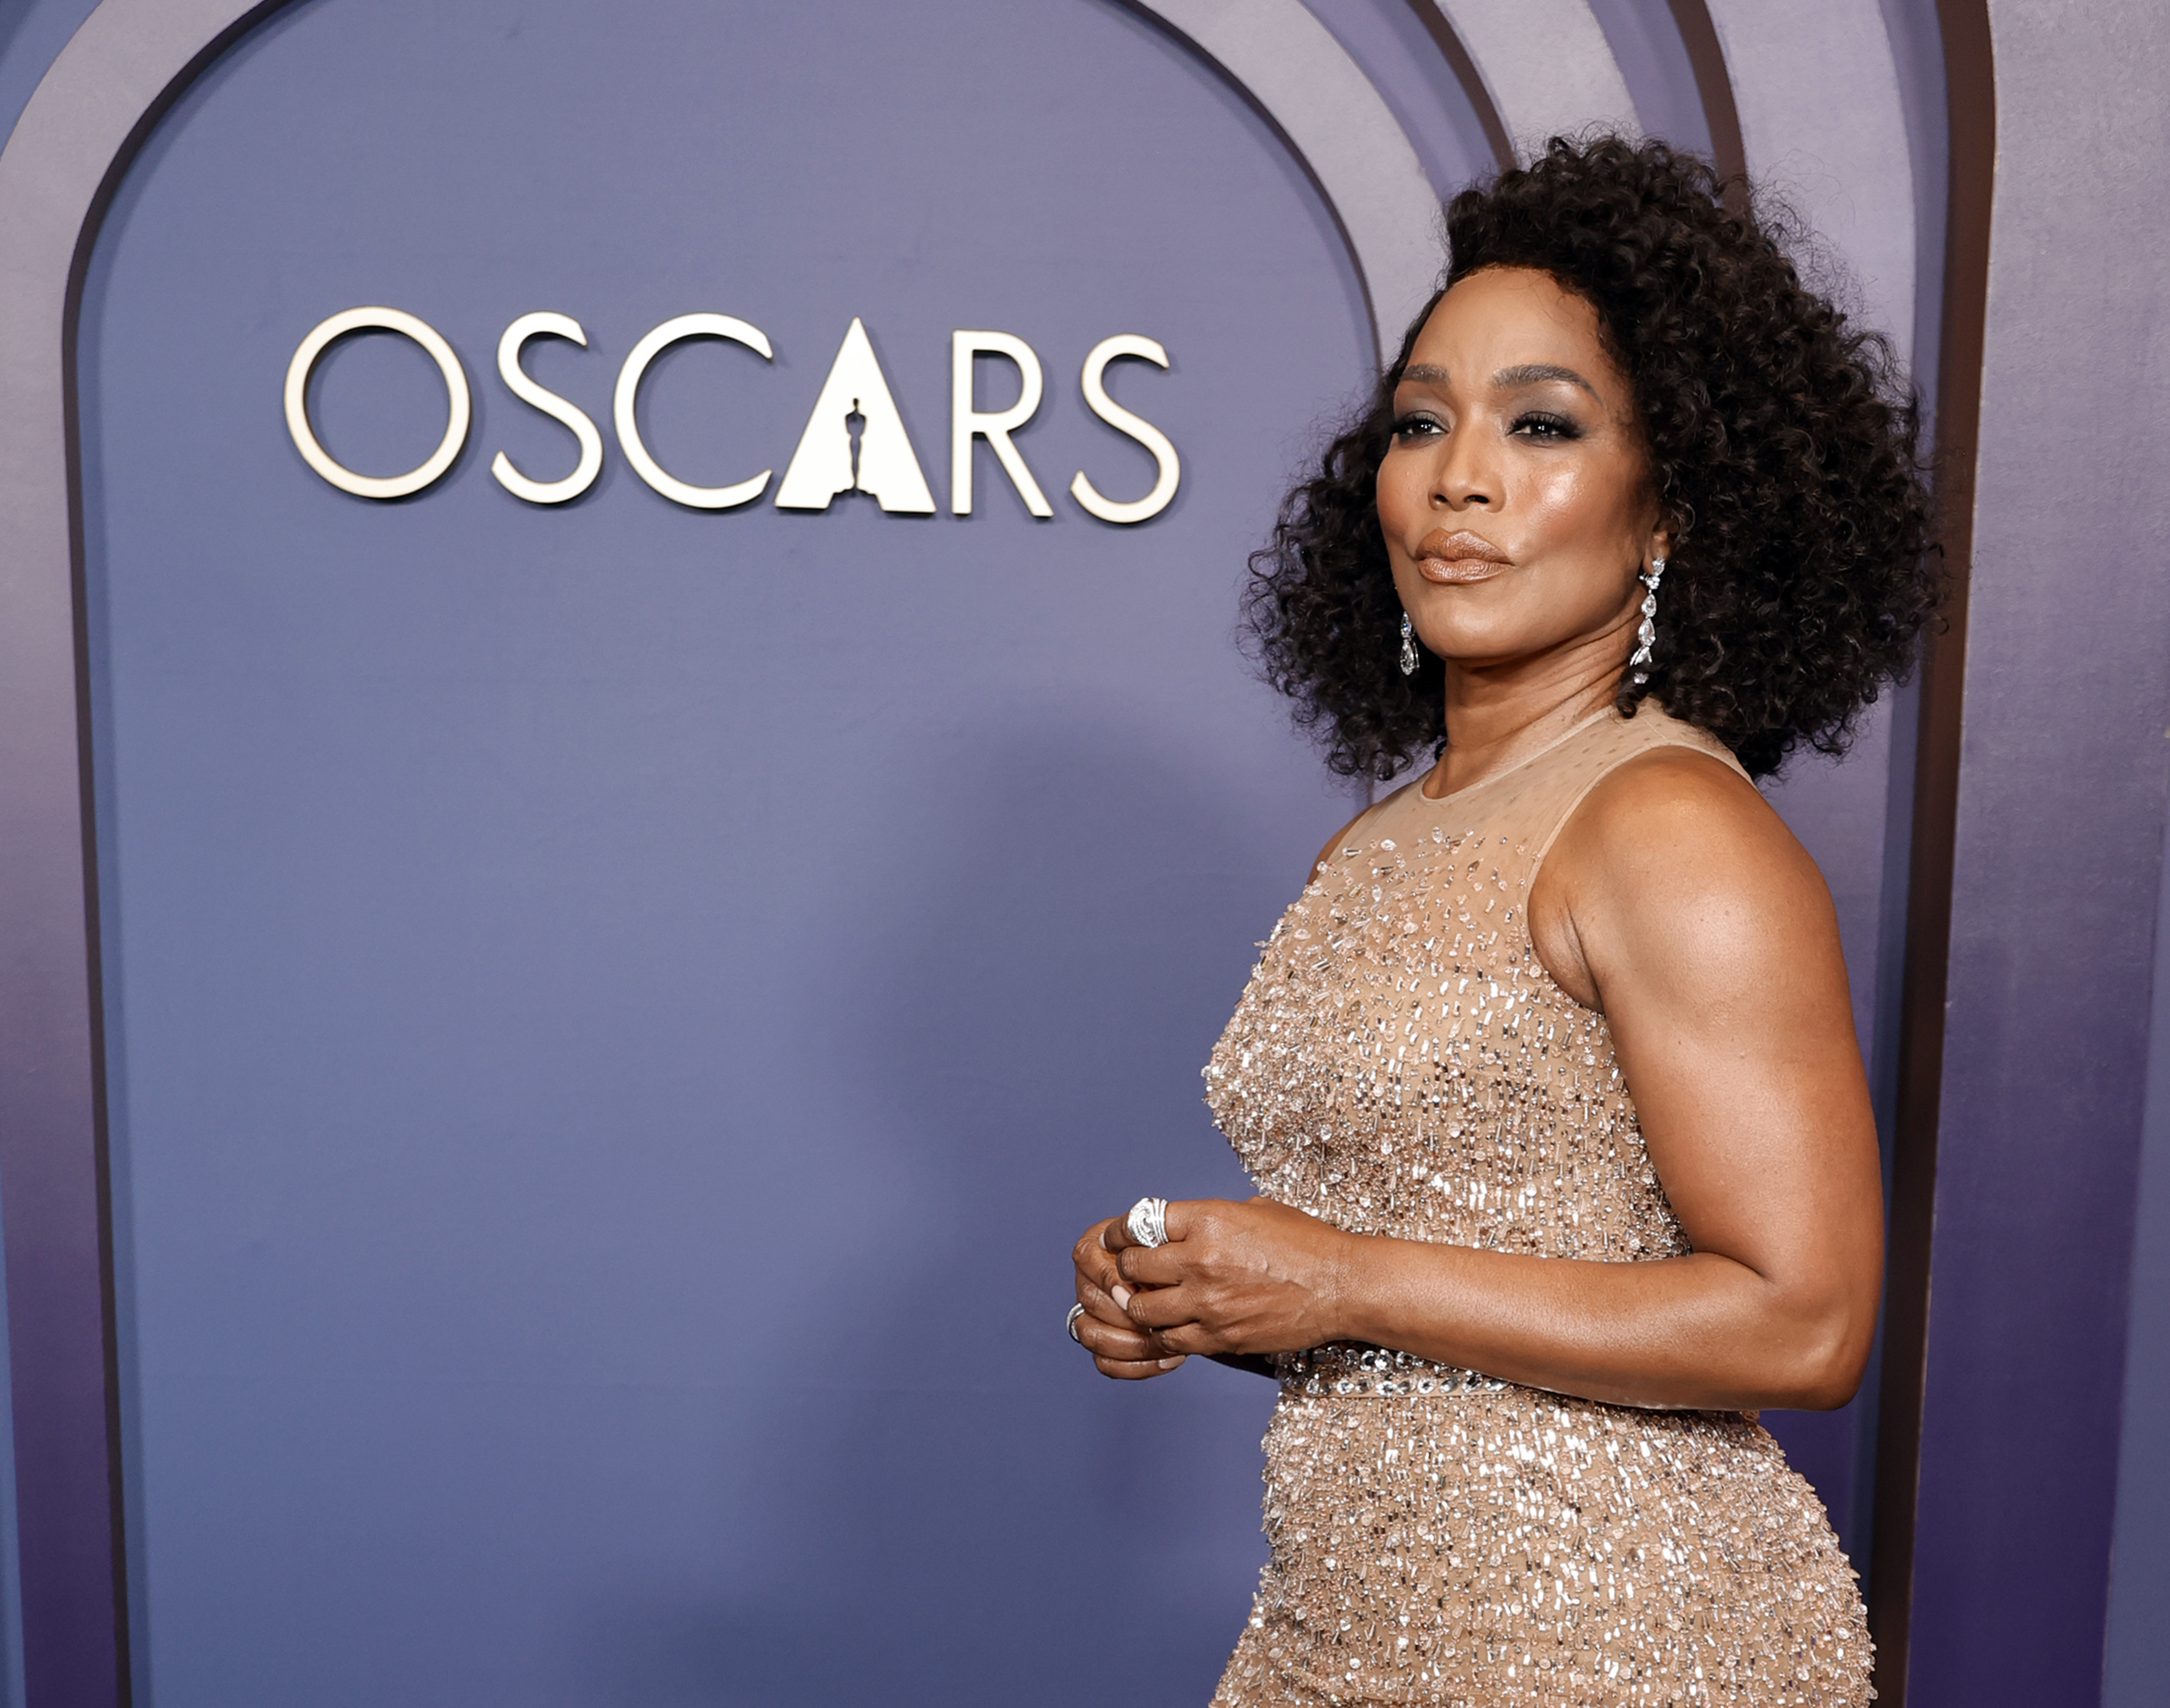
[1148, 1222]
[1070, 1322]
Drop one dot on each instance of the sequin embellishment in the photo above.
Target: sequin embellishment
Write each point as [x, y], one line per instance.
[1400, 1062]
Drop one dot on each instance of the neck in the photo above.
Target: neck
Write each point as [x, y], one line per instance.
[1498, 714]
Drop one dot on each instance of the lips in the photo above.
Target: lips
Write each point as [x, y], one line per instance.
[1459, 556]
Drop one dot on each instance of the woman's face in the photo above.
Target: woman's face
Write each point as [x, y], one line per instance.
[1515, 497]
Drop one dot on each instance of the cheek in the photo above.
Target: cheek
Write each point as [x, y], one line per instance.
[1399, 491]
[1568, 507]
[1582, 509]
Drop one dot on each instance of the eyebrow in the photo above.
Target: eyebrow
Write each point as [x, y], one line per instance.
[1528, 374]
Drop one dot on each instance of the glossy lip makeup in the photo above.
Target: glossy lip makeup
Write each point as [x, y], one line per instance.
[1458, 557]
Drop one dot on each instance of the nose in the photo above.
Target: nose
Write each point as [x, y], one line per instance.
[1465, 475]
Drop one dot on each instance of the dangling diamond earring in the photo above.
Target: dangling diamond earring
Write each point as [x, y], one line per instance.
[1409, 646]
[1646, 636]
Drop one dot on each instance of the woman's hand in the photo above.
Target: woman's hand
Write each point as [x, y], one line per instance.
[1120, 1348]
[1238, 1279]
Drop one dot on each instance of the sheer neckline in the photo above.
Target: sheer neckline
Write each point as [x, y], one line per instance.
[1565, 735]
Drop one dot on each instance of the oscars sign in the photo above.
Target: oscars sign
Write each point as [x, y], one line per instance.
[855, 439]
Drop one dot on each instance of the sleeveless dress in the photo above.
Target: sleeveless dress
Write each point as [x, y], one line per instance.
[1401, 1063]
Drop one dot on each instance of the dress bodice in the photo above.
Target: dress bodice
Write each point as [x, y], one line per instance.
[1402, 1064]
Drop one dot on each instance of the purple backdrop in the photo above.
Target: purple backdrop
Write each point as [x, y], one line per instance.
[619, 1012]
[506, 908]
[2062, 786]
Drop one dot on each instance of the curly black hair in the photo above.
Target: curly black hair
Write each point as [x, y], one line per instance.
[1782, 443]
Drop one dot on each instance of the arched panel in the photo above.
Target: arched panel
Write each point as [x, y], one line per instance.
[1304, 79]
[1546, 64]
[585, 982]
[1822, 125]
[1823, 130]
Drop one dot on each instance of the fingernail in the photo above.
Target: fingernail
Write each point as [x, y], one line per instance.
[1170, 1363]
[1121, 1295]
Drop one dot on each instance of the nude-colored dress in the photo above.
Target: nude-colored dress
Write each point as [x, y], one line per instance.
[1401, 1063]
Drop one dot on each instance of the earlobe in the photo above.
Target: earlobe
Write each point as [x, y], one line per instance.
[1674, 522]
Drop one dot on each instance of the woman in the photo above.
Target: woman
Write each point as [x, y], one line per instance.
[1635, 514]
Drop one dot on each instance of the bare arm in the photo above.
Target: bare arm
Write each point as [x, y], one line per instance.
[1676, 902]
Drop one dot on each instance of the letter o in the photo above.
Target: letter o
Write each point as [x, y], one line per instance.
[395, 486]
[699, 498]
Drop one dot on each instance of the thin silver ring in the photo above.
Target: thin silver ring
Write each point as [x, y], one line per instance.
[1070, 1322]
[1148, 1222]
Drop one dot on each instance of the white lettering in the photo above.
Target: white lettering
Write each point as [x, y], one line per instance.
[699, 498]
[854, 441]
[823, 466]
[995, 425]
[320, 338]
[1169, 468]
[546, 492]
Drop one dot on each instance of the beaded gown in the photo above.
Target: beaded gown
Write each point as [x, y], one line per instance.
[1401, 1063]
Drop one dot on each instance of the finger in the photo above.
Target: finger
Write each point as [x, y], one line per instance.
[1105, 1305]
[1161, 1307]
[1127, 1371]
[1096, 1243]
[1096, 1268]
[1115, 1233]
[1152, 1266]
[1130, 1349]
[1184, 1339]
[1181, 1215]
[1119, 1341]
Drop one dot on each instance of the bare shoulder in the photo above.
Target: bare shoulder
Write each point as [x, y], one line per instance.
[1676, 862]
[1678, 814]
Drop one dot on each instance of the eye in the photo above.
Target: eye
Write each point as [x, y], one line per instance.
[1417, 426]
[1537, 425]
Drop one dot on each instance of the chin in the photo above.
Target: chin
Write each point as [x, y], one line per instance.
[1481, 646]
